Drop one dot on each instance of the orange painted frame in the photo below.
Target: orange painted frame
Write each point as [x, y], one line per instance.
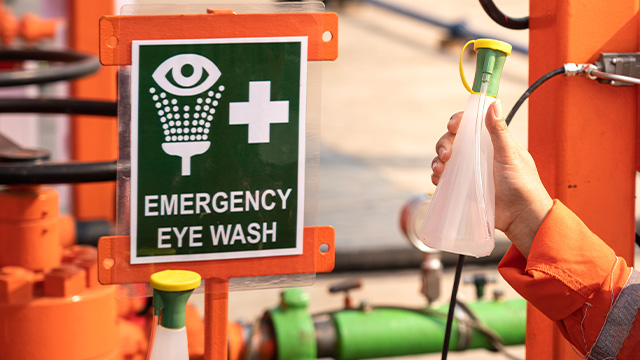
[114, 253]
[582, 134]
[116, 34]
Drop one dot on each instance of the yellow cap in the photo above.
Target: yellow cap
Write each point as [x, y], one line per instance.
[492, 44]
[175, 280]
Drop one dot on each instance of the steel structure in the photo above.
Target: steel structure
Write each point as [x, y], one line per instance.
[583, 134]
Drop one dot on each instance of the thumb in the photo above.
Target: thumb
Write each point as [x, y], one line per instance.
[501, 138]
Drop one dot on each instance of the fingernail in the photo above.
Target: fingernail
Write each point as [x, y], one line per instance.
[497, 109]
[450, 119]
[434, 164]
[441, 152]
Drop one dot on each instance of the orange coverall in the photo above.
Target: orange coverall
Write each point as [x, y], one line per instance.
[577, 280]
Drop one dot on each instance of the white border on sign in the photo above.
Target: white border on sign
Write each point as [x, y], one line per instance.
[135, 59]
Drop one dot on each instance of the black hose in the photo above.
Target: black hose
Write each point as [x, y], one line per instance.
[76, 65]
[530, 90]
[57, 173]
[499, 17]
[452, 306]
[59, 106]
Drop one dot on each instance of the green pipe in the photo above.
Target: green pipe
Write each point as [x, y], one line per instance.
[385, 332]
[293, 326]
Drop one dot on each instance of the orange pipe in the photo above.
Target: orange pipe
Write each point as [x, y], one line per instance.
[67, 230]
[29, 225]
[92, 138]
[60, 314]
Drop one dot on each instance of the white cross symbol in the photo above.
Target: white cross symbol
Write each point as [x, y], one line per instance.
[259, 113]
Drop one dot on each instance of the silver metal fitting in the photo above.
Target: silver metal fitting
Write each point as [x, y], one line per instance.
[431, 276]
[616, 69]
[573, 69]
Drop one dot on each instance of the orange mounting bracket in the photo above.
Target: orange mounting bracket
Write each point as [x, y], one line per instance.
[114, 253]
[114, 268]
[117, 32]
[116, 36]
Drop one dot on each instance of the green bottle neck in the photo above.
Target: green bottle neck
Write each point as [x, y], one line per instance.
[172, 307]
[489, 61]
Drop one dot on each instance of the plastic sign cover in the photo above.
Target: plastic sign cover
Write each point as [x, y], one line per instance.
[217, 148]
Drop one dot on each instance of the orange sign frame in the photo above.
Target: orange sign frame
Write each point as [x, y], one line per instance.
[114, 253]
[116, 35]
[117, 32]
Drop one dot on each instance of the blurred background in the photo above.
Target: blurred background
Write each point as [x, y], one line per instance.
[385, 102]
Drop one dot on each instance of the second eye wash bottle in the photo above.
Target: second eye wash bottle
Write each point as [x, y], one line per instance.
[461, 218]
[171, 291]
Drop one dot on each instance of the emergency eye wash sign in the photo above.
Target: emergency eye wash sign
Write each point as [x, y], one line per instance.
[217, 148]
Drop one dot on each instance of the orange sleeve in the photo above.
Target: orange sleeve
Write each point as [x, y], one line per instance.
[571, 276]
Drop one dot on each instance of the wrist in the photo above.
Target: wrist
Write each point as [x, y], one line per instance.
[524, 227]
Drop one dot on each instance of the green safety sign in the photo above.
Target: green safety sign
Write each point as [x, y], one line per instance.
[217, 148]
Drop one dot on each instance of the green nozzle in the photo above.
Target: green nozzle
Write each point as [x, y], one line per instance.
[491, 55]
[171, 291]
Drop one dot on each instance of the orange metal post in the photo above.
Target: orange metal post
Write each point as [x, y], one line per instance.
[216, 318]
[582, 134]
[93, 138]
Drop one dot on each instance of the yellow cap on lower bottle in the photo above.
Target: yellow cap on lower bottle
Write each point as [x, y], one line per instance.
[175, 280]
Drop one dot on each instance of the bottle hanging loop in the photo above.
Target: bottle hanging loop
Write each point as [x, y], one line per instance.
[464, 80]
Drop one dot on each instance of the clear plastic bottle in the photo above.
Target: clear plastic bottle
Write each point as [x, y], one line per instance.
[171, 291]
[169, 344]
[461, 218]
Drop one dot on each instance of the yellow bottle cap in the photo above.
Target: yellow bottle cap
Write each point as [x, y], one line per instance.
[175, 280]
[492, 44]
[482, 44]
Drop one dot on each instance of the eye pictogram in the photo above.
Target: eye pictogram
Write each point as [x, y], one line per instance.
[197, 64]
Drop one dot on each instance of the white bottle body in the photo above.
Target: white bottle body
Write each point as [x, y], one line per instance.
[461, 217]
[169, 344]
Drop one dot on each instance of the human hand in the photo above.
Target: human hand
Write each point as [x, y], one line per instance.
[522, 202]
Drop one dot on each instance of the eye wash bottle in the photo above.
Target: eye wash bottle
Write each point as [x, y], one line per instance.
[461, 218]
[171, 291]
